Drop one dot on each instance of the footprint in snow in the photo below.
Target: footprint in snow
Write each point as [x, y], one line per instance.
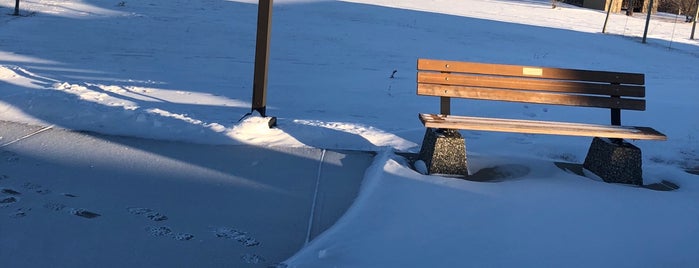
[9, 191]
[36, 188]
[20, 213]
[9, 156]
[252, 258]
[149, 213]
[80, 212]
[13, 197]
[242, 237]
[183, 237]
[8, 200]
[54, 206]
[161, 231]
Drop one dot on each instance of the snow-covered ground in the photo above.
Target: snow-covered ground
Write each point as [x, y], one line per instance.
[182, 70]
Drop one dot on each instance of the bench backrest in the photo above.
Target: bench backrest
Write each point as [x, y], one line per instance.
[614, 90]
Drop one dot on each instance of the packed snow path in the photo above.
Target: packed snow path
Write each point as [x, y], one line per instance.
[71, 199]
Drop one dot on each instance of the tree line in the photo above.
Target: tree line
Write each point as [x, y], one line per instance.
[688, 8]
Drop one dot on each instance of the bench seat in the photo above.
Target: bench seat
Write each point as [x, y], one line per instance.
[539, 127]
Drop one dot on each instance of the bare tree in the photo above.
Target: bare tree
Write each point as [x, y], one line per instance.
[684, 7]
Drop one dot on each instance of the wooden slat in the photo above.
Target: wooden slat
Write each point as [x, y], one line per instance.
[540, 127]
[530, 97]
[530, 71]
[530, 84]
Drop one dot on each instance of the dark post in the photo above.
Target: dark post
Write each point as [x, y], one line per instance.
[445, 105]
[694, 21]
[259, 86]
[616, 112]
[616, 118]
[609, 10]
[645, 31]
[16, 8]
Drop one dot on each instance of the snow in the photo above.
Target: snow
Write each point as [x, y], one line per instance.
[182, 70]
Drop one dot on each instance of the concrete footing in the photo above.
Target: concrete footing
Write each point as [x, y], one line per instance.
[444, 152]
[615, 161]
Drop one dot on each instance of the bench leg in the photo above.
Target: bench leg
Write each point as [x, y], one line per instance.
[615, 161]
[444, 152]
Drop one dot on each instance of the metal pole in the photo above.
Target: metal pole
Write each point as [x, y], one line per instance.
[16, 8]
[609, 10]
[694, 21]
[650, 10]
[264, 30]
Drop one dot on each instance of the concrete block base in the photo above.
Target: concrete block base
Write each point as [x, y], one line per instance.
[444, 152]
[615, 161]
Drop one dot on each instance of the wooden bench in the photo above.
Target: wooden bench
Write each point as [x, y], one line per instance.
[610, 157]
